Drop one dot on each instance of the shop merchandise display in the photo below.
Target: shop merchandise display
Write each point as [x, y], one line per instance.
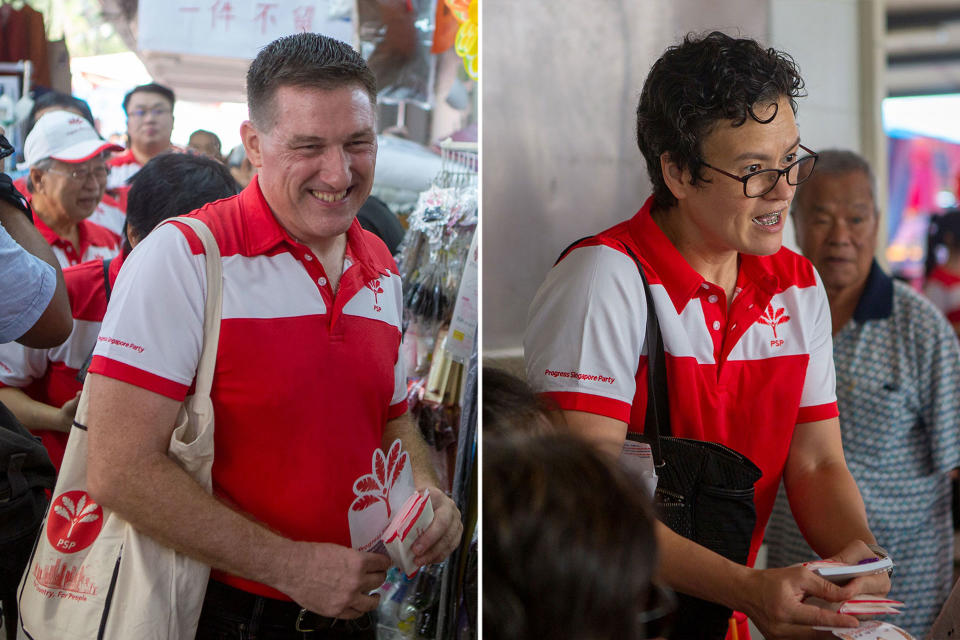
[438, 269]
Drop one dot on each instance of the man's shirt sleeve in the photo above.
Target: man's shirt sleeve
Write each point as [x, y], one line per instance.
[585, 332]
[153, 330]
[20, 365]
[819, 398]
[27, 285]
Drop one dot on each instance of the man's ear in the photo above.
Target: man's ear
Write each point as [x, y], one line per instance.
[678, 180]
[252, 142]
[36, 176]
[131, 237]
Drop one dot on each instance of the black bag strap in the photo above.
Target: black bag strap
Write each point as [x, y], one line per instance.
[10, 194]
[656, 423]
[28, 464]
[82, 373]
[106, 277]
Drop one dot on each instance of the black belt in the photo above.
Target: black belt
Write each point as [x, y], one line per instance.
[278, 613]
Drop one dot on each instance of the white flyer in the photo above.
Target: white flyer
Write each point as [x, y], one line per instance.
[637, 459]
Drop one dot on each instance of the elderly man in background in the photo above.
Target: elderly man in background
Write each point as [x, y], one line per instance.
[68, 175]
[898, 371]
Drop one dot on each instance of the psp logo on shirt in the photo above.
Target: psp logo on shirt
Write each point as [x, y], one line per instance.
[374, 285]
[773, 318]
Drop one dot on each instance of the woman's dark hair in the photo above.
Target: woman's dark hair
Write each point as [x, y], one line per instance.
[56, 99]
[944, 231]
[695, 84]
[511, 406]
[568, 542]
[173, 184]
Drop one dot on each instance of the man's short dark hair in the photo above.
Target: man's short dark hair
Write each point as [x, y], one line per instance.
[57, 99]
[695, 84]
[152, 87]
[173, 184]
[204, 132]
[308, 60]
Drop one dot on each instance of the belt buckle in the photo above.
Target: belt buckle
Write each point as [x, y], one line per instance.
[303, 613]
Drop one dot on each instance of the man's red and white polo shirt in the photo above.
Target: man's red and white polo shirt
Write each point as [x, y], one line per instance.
[305, 381]
[124, 166]
[50, 375]
[742, 377]
[95, 242]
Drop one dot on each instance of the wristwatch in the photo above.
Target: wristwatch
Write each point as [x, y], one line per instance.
[881, 553]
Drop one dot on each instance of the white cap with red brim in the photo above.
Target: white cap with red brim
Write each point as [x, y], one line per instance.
[64, 136]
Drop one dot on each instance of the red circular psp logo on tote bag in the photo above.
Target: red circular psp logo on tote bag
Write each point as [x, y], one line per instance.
[74, 522]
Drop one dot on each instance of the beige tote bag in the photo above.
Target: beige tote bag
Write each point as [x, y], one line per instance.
[92, 575]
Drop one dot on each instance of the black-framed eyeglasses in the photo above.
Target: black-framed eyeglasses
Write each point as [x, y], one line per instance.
[760, 183]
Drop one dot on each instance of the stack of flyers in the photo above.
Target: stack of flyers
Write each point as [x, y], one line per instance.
[873, 630]
[410, 521]
[861, 605]
[838, 572]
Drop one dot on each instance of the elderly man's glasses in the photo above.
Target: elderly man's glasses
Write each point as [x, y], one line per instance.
[82, 175]
[760, 183]
[156, 112]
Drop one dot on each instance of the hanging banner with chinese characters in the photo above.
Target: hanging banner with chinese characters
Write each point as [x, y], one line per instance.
[237, 28]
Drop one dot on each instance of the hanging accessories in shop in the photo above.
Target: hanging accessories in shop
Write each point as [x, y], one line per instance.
[437, 263]
[432, 262]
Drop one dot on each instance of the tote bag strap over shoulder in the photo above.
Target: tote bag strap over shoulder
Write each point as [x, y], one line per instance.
[657, 420]
[213, 306]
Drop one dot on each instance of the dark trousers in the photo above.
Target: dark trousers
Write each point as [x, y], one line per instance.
[233, 614]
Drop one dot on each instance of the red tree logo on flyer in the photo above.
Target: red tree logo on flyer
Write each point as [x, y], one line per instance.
[772, 318]
[74, 522]
[375, 487]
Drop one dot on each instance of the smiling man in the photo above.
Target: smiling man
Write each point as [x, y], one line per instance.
[898, 371]
[309, 377]
[745, 324]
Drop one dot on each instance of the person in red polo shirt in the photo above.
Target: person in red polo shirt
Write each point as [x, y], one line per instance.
[108, 212]
[309, 378]
[745, 322]
[41, 386]
[149, 109]
[68, 174]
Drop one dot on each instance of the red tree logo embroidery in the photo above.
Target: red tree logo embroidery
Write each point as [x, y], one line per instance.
[773, 318]
[374, 285]
[375, 487]
[74, 522]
